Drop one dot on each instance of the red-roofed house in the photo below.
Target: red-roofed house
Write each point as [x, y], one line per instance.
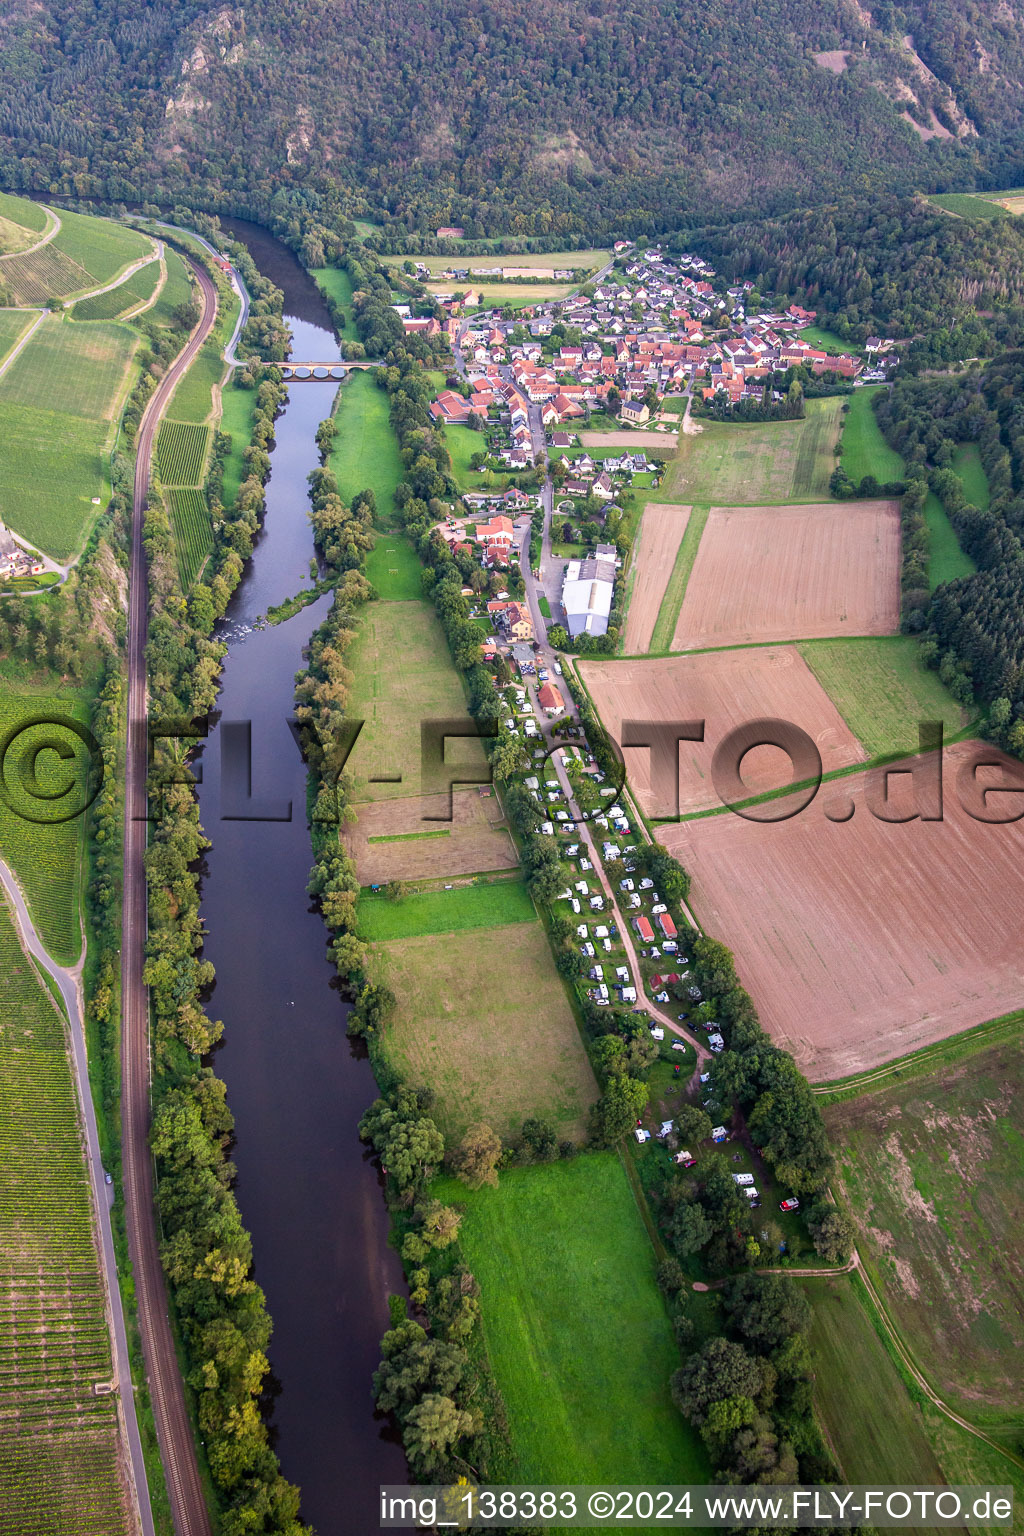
[644, 929]
[550, 700]
[496, 532]
[666, 925]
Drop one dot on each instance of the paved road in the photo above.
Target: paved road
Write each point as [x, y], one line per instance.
[68, 981]
[173, 1427]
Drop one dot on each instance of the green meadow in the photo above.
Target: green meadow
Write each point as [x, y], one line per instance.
[865, 450]
[486, 905]
[365, 454]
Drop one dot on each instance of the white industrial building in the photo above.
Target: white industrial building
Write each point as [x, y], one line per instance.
[587, 593]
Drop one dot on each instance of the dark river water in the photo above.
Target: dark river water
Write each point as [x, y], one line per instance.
[308, 1192]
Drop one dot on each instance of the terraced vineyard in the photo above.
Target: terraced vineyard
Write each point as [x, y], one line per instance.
[192, 533]
[60, 1459]
[124, 299]
[181, 451]
[43, 274]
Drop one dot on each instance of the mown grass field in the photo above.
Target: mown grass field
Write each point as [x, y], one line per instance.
[463, 443]
[393, 700]
[237, 411]
[946, 560]
[338, 285]
[930, 1171]
[394, 568]
[125, 298]
[877, 1430]
[59, 1449]
[883, 690]
[366, 453]
[827, 341]
[467, 906]
[589, 260]
[754, 464]
[58, 401]
[13, 324]
[575, 1325]
[668, 613]
[865, 450]
[483, 1019]
[45, 858]
[515, 295]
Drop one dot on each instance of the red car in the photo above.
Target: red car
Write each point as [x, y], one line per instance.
[792, 1204]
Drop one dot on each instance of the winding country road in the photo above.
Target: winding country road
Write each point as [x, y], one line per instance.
[68, 983]
[173, 1426]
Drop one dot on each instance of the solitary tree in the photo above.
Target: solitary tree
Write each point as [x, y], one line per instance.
[475, 1159]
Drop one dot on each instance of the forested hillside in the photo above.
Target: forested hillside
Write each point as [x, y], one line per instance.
[570, 118]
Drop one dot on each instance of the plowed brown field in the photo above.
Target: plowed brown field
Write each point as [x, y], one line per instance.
[661, 532]
[862, 940]
[725, 689]
[476, 838]
[793, 573]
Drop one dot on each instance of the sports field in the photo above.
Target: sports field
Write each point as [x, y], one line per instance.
[494, 904]
[725, 689]
[483, 1019]
[576, 1329]
[861, 939]
[45, 857]
[931, 1171]
[754, 463]
[654, 556]
[59, 1450]
[394, 568]
[515, 295]
[793, 572]
[589, 260]
[865, 450]
[883, 690]
[394, 700]
[365, 454]
[58, 401]
[390, 840]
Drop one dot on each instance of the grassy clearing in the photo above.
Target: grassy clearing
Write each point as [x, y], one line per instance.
[44, 857]
[393, 700]
[877, 1430]
[668, 613]
[967, 464]
[578, 261]
[882, 689]
[59, 1456]
[462, 443]
[483, 1019]
[394, 568]
[365, 454]
[865, 450]
[576, 1328]
[946, 560]
[125, 298]
[467, 906]
[57, 404]
[13, 325]
[338, 285]
[237, 411]
[757, 464]
[931, 1173]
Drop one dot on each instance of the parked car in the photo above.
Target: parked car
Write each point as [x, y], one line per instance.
[792, 1204]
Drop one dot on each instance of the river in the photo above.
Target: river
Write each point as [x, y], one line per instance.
[309, 1194]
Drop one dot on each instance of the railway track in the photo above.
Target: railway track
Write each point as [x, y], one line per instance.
[173, 1426]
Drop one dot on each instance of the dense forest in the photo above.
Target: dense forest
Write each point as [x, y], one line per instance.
[576, 118]
[974, 627]
[888, 265]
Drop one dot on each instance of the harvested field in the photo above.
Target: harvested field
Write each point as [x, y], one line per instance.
[475, 840]
[482, 1017]
[756, 463]
[630, 437]
[661, 531]
[862, 940]
[793, 573]
[725, 689]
